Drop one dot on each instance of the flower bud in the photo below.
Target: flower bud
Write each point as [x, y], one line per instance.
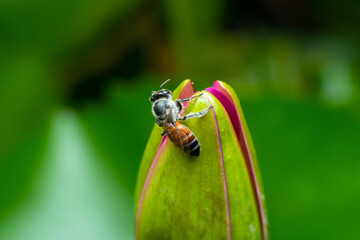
[217, 195]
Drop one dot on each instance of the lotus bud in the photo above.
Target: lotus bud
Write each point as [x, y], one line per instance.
[217, 195]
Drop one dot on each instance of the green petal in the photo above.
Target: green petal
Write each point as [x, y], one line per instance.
[184, 197]
[244, 218]
[231, 93]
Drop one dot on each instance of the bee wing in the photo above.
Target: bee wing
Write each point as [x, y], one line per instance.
[179, 135]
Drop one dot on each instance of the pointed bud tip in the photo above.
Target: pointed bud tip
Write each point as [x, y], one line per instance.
[184, 90]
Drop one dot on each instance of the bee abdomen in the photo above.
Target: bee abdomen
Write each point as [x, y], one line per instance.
[193, 147]
[182, 137]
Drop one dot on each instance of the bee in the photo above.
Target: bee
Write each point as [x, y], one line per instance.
[166, 112]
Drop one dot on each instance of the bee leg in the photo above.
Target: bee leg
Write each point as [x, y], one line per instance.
[179, 101]
[195, 115]
[190, 98]
[157, 122]
[179, 104]
[163, 133]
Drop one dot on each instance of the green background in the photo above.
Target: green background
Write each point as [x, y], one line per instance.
[75, 78]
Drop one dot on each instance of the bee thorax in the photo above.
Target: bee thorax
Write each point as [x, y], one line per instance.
[160, 107]
[165, 111]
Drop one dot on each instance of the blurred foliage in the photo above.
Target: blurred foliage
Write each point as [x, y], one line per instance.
[294, 66]
[72, 197]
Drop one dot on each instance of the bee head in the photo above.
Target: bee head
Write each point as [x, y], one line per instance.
[162, 93]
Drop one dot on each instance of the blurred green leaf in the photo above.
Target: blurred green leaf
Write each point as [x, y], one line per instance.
[73, 196]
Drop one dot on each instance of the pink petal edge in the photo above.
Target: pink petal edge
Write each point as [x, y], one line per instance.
[226, 100]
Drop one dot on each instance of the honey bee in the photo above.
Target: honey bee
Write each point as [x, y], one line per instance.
[166, 112]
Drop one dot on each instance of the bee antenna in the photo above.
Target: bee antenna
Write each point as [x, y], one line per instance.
[164, 83]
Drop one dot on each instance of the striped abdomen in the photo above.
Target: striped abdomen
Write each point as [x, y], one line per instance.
[182, 137]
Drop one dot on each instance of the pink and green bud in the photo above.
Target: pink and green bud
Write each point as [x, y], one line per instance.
[217, 195]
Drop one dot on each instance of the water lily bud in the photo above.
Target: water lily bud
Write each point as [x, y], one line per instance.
[217, 195]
